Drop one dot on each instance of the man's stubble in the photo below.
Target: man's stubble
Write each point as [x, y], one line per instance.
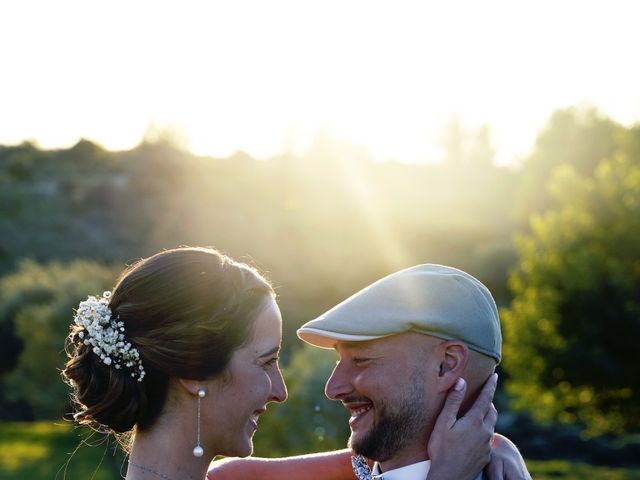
[396, 426]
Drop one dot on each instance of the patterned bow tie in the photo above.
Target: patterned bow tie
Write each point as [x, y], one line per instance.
[361, 468]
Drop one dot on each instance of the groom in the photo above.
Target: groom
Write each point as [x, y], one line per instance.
[402, 344]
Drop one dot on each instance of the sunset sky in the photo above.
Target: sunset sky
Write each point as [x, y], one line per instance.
[263, 76]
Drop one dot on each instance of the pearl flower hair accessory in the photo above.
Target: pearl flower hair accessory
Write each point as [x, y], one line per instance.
[107, 335]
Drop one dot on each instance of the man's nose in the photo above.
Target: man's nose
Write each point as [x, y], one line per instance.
[338, 384]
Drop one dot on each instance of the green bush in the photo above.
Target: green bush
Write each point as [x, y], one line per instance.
[56, 450]
[571, 331]
[36, 305]
[565, 470]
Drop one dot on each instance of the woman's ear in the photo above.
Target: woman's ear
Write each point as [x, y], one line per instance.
[191, 386]
[454, 356]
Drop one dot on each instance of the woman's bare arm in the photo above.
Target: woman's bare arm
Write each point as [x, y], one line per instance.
[328, 465]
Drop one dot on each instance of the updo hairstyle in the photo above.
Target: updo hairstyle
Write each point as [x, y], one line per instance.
[186, 310]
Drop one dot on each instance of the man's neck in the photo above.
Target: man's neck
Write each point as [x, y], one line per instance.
[415, 452]
[402, 459]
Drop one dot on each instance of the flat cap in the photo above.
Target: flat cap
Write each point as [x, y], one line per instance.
[434, 300]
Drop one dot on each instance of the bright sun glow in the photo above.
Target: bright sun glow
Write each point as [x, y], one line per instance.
[265, 76]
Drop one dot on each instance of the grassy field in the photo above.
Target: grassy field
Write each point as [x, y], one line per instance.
[560, 469]
[45, 450]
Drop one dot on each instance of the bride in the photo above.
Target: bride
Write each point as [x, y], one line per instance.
[180, 360]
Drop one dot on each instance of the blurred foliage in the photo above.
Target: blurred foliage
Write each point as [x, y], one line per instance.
[562, 469]
[36, 305]
[56, 450]
[328, 222]
[308, 421]
[322, 225]
[577, 136]
[571, 332]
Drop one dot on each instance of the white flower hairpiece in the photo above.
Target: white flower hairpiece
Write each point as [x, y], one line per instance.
[107, 335]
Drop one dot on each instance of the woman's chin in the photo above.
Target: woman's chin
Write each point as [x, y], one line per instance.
[242, 449]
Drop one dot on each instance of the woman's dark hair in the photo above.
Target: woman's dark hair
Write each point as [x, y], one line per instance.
[186, 310]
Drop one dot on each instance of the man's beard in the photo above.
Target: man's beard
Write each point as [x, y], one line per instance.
[396, 426]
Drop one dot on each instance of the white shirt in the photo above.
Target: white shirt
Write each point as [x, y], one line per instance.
[415, 471]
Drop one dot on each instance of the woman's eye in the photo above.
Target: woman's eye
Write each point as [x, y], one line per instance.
[360, 360]
[272, 361]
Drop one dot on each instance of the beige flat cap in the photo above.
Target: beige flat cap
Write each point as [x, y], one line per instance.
[435, 300]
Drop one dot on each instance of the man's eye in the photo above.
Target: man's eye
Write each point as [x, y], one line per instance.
[360, 360]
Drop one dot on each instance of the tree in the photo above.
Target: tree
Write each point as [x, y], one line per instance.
[36, 305]
[572, 329]
[577, 136]
[464, 148]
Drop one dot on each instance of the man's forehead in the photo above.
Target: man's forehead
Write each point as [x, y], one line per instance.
[349, 345]
[404, 340]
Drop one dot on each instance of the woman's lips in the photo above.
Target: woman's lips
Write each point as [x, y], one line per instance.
[253, 420]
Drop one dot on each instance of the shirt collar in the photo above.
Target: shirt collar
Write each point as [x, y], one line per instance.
[415, 471]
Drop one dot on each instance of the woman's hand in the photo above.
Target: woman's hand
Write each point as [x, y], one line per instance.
[459, 448]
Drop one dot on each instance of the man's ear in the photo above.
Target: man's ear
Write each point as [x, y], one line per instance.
[454, 356]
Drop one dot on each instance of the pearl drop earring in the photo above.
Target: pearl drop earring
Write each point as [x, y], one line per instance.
[198, 450]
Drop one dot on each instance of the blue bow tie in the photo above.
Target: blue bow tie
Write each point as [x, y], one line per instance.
[361, 468]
